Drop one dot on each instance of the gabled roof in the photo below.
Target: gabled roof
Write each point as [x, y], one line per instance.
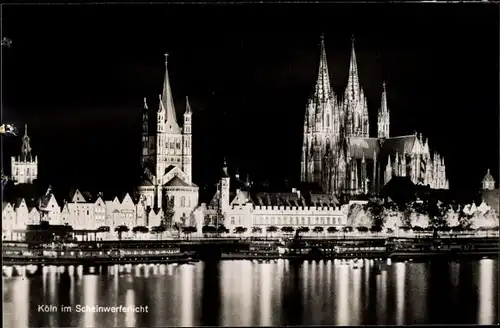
[401, 145]
[19, 201]
[6, 204]
[177, 182]
[323, 200]
[358, 147]
[169, 168]
[293, 199]
[146, 183]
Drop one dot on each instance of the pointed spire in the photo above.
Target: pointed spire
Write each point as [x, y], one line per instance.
[248, 183]
[389, 161]
[167, 102]
[383, 101]
[188, 106]
[237, 174]
[323, 89]
[145, 104]
[352, 90]
[224, 169]
[26, 147]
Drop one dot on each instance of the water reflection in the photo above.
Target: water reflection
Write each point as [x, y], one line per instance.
[342, 296]
[246, 293]
[485, 310]
[400, 292]
[211, 296]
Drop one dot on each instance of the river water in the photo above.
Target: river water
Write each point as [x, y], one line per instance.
[246, 293]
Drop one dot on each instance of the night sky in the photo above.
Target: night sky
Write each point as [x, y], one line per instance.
[77, 76]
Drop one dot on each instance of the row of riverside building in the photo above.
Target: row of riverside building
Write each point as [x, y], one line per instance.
[338, 159]
[81, 210]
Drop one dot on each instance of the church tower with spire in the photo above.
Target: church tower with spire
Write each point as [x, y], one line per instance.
[24, 167]
[355, 104]
[338, 154]
[167, 157]
[383, 120]
[321, 130]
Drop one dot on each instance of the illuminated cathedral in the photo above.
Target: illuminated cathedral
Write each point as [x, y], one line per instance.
[340, 156]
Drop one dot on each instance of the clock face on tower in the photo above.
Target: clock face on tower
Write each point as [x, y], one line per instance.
[224, 183]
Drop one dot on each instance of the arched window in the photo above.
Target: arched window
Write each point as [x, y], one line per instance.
[327, 120]
[183, 201]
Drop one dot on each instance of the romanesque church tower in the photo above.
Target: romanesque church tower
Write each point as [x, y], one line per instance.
[167, 157]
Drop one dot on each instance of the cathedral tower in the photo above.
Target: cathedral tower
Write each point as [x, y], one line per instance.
[355, 104]
[25, 167]
[321, 130]
[383, 120]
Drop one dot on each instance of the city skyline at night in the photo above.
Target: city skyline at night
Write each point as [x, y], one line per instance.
[248, 88]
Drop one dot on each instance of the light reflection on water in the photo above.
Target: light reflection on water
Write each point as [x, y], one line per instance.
[246, 293]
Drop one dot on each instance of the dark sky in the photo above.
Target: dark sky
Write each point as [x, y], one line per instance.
[77, 76]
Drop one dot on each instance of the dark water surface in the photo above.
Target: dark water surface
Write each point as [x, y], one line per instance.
[246, 293]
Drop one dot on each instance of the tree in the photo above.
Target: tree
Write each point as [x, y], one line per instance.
[256, 229]
[158, 229]
[240, 230]
[140, 229]
[407, 212]
[332, 229]
[436, 212]
[378, 214]
[362, 229]
[192, 220]
[222, 229]
[348, 229]
[189, 230]
[207, 220]
[121, 229]
[168, 211]
[271, 229]
[318, 229]
[103, 229]
[208, 229]
[184, 221]
[287, 229]
[303, 229]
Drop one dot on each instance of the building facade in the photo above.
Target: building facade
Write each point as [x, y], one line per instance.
[80, 210]
[24, 168]
[490, 194]
[167, 158]
[242, 206]
[338, 153]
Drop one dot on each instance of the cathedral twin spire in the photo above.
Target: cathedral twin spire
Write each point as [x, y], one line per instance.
[323, 90]
[352, 92]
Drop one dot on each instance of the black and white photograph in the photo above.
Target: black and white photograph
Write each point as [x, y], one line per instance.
[250, 164]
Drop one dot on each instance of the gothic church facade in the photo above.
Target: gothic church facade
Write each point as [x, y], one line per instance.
[338, 153]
